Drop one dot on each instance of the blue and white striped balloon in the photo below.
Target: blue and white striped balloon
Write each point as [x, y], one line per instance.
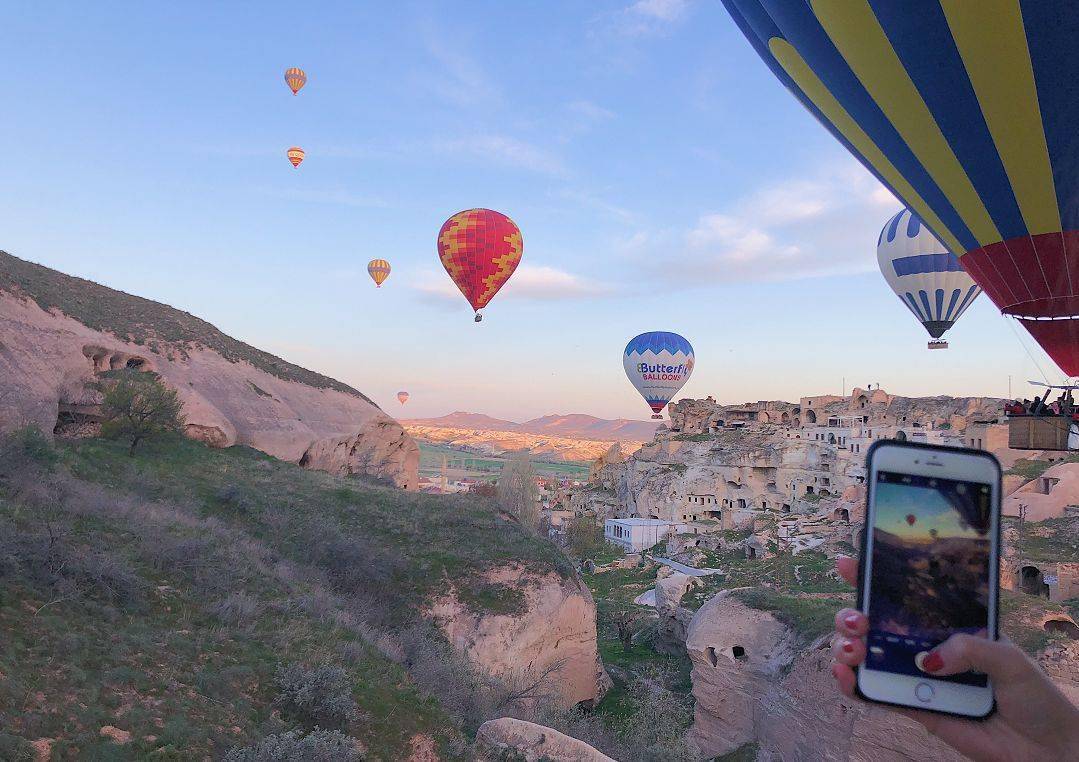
[658, 364]
[925, 276]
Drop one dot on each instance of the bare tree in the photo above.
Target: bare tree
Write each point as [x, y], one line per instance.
[138, 406]
[516, 490]
[625, 620]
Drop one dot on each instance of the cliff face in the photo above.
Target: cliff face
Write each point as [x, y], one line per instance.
[755, 684]
[232, 393]
[553, 632]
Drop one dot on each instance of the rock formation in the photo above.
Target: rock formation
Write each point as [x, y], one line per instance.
[507, 738]
[554, 633]
[1046, 496]
[232, 393]
[673, 619]
[754, 682]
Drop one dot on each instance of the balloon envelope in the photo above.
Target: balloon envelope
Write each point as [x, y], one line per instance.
[379, 270]
[402, 397]
[911, 518]
[658, 364]
[925, 276]
[295, 155]
[480, 249]
[967, 112]
[295, 78]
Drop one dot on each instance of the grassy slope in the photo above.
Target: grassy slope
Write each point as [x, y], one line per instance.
[199, 571]
[142, 321]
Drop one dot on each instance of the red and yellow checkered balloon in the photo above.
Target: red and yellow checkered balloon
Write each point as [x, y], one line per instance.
[480, 249]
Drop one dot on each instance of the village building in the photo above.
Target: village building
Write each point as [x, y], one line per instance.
[635, 534]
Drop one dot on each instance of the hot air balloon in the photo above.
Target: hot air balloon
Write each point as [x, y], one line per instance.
[402, 397]
[911, 518]
[480, 249]
[379, 270]
[967, 112]
[658, 364]
[925, 276]
[295, 155]
[296, 79]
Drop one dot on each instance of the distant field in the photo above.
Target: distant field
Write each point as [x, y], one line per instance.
[461, 464]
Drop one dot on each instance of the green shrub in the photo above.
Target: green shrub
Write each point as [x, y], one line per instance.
[24, 447]
[294, 746]
[138, 406]
[315, 697]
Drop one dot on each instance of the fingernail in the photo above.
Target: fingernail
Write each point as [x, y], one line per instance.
[851, 620]
[848, 646]
[932, 662]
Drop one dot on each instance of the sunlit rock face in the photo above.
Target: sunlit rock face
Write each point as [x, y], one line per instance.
[48, 361]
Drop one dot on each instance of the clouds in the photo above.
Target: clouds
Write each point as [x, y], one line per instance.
[504, 150]
[529, 282]
[823, 224]
[646, 17]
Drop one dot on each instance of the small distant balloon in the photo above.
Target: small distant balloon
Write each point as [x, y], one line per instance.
[480, 249]
[296, 79]
[911, 518]
[658, 364]
[295, 155]
[379, 270]
[402, 397]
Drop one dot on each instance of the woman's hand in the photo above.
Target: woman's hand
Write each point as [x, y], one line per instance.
[1033, 720]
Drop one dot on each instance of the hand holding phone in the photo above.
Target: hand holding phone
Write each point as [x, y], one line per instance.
[929, 570]
[1034, 720]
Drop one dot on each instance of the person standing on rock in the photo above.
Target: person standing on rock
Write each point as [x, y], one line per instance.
[1034, 720]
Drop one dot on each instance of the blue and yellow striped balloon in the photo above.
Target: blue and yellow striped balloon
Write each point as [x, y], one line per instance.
[968, 112]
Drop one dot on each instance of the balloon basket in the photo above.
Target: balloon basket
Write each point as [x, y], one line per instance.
[478, 317]
[939, 344]
[657, 417]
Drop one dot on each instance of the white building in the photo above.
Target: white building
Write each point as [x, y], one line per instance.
[635, 535]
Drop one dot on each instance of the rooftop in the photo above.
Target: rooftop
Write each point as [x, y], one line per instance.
[641, 522]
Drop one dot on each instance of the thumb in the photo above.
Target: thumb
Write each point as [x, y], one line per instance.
[1002, 661]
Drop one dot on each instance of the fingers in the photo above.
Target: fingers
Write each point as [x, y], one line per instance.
[848, 651]
[964, 653]
[848, 569]
[844, 678]
[851, 623]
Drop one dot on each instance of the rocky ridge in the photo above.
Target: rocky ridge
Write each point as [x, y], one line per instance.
[59, 334]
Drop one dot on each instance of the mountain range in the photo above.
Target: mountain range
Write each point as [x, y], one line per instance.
[572, 426]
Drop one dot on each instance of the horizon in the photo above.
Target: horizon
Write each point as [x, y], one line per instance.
[643, 205]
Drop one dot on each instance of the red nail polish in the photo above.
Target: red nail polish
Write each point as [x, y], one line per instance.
[848, 647]
[851, 620]
[932, 662]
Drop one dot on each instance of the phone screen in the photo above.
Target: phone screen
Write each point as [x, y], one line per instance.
[930, 569]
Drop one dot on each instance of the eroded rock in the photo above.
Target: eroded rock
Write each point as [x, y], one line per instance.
[509, 738]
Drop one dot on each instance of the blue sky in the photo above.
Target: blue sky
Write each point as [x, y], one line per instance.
[662, 180]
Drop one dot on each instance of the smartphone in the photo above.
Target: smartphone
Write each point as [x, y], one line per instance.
[929, 569]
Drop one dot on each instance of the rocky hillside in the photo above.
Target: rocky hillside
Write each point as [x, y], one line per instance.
[493, 442]
[184, 601]
[572, 426]
[59, 333]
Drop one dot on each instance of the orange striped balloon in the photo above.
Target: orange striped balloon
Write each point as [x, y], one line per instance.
[295, 78]
[379, 270]
[402, 397]
[295, 155]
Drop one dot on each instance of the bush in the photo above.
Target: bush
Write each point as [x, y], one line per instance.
[138, 406]
[25, 447]
[294, 746]
[318, 697]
